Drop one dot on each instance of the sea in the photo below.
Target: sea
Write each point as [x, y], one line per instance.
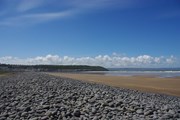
[158, 72]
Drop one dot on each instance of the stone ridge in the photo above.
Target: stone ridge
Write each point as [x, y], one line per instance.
[38, 96]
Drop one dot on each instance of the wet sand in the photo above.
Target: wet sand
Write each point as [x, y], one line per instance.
[169, 86]
[6, 74]
[3, 74]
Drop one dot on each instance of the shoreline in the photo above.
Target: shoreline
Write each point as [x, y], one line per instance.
[39, 96]
[152, 84]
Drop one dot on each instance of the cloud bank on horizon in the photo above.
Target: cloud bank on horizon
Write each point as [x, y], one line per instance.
[109, 61]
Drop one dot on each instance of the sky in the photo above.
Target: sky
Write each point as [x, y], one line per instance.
[109, 33]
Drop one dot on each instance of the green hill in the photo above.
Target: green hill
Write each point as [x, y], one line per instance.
[8, 67]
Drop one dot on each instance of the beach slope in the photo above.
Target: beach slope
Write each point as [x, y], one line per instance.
[169, 86]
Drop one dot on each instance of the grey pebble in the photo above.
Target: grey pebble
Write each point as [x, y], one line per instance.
[38, 96]
[94, 110]
[139, 111]
[44, 118]
[77, 112]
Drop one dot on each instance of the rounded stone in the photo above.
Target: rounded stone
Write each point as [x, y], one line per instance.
[139, 111]
[77, 112]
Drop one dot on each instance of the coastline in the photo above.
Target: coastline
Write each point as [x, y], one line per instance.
[152, 84]
[39, 96]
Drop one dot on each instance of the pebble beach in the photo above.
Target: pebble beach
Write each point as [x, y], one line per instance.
[39, 96]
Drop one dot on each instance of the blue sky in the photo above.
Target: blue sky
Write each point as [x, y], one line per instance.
[56, 30]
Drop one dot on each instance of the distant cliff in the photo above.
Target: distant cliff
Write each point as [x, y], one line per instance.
[51, 68]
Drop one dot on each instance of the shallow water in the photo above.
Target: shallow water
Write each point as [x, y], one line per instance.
[163, 74]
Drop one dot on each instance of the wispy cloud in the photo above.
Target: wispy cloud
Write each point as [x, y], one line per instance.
[169, 15]
[26, 5]
[28, 19]
[2, 13]
[102, 60]
[103, 3]
[23, 12]
[16, 12]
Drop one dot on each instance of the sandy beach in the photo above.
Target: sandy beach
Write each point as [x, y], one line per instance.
[169, 86]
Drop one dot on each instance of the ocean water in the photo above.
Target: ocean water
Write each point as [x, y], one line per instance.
[158, 72]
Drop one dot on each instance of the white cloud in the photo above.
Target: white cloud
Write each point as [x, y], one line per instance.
[171, 59]
[100, 60]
